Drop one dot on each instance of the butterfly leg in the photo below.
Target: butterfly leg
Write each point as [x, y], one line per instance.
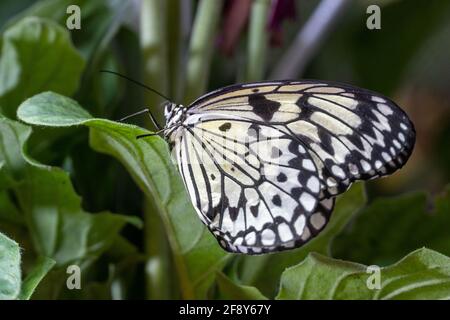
[147, 111]
[150, 134]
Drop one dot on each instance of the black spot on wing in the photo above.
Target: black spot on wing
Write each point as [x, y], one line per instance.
[254, 210]
[276, 200]
[263, 107]
[296, 192]
[304, 106]
[235, 211]
[281, 177]
[225, 127]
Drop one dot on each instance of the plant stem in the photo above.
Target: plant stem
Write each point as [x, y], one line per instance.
[175, 47]
[153, 37]
[308, 39]
[201, 48]
[257, 40]
[155, 73]
[157, 267]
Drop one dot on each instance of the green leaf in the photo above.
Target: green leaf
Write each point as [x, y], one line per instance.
[52, 110]
[40, 269]
[264, 271]
[229, 290]
[59, 227]
[100, 23]
[8, 211]
[53, 209]
[423, 274]
[196, 253]
[317, 277]
[10, 274]
[37, 55]
[197, 256]
[11, 138]
[381, 232]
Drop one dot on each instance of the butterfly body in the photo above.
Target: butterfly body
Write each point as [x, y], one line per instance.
[263, 162]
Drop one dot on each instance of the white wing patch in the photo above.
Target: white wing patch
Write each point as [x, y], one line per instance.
[262, 201]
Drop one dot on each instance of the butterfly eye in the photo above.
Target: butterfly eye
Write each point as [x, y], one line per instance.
[168, 109]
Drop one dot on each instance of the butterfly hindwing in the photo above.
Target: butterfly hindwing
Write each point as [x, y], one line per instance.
[255, 187]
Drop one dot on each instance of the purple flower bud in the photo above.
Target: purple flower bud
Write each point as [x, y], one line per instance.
[281, 10]
[236, 14]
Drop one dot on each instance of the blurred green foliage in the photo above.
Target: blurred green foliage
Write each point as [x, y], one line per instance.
[423, 274]
[67, 169]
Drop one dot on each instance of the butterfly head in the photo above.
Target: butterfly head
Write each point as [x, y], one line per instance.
[175, 114]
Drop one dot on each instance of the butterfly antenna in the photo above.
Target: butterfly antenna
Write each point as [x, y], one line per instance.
[138, 83]
[152, 118]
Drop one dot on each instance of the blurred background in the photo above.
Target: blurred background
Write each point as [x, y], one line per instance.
[185, 48]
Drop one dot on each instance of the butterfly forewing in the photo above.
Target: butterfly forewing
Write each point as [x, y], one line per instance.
[262, 162]
[351, 133]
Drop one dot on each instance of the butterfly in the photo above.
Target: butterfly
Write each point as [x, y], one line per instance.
[263, 162]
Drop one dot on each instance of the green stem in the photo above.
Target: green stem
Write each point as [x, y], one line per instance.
[185, 283]
[158, 280]
[155, 74]
[153, 38]
[257, 41]
[175, 47]
[201, 48]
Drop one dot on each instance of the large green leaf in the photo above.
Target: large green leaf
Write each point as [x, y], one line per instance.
[34, 277]
[100, 23]
[9, 212]
[230, 290]
[10, 274]
[196, 254]
[12, 137]
[423, 274]
[97, 24]
[58, 226]
[37, 55]
[381, 232]
[264, 271]
[11, 285]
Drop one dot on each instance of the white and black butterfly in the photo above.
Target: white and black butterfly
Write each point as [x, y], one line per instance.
[263, 162]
